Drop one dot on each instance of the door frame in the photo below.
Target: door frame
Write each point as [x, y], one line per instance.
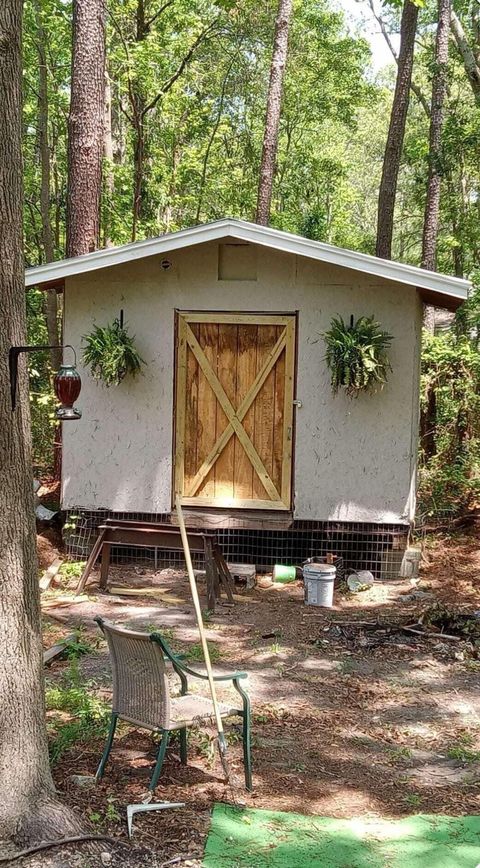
[290, 320]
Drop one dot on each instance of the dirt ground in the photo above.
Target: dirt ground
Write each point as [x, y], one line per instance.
[348, 719]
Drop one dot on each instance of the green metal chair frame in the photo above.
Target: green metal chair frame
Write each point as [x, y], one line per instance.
[159, 707]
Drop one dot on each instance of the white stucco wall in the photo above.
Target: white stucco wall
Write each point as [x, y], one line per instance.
[354, 459]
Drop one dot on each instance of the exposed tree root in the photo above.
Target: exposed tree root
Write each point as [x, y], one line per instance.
[50, 820]
[46, 845]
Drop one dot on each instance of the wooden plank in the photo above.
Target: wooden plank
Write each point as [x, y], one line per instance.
[245, 370]
[236, 318]
[224, 469]
[151, 537]
[105, 564]
[264, 407]
[147, 592]
[252, 519]
[191, 420]
[236, 503]
[230, 413]
[58, 649]
[278, 420]
[92, 559]
[213, 590]
[207, 403]
[224, 572]
[50, 574]
[288, 413]
[248, 384]
[180, 406]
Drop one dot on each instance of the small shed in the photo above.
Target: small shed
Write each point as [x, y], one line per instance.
[234, 410]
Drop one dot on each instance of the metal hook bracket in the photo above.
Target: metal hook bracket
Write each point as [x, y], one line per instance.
[13, 355]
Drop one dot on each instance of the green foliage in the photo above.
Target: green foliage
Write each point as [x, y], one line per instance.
[357, 355]
[195, 652]
[464, 754]
[72, 569]
[111, 354]
[450, 478]
[75, 714]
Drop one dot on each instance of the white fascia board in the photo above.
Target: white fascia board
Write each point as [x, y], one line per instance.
[255, 234]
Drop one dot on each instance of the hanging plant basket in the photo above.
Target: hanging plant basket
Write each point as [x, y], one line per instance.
[357, 355]
[110, 353]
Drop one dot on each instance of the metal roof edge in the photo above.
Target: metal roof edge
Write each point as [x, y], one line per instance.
[274, 238]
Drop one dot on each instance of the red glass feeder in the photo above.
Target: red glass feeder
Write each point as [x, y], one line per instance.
[67, 385]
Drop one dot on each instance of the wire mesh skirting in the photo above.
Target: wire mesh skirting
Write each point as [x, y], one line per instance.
[362, 546]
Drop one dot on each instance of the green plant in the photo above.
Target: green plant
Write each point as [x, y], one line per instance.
[463, 754]
[346, 667]
[205, 745]
[357, 355]
[195, 652]
[111, 354]
[78, 646]
[413, 800]
[399, 754]
[72, 569]
[111, 813]
[75, 714]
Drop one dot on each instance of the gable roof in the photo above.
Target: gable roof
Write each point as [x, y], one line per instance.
[439, 289]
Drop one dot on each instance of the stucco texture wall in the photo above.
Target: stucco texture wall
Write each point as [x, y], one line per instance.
[354, 459]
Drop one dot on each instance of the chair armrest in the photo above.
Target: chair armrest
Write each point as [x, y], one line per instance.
[230, 676]
[177, 660]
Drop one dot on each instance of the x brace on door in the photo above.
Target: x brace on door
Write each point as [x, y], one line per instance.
[235, 417]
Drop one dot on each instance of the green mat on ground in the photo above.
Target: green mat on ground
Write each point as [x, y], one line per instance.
[273, 839]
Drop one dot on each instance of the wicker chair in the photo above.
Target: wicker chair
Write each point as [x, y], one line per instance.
[141, 694]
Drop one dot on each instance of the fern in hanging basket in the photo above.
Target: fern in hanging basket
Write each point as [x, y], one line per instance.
[357, 355]
[111, 354]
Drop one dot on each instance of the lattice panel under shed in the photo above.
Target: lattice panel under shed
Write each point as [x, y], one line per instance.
[375, 547]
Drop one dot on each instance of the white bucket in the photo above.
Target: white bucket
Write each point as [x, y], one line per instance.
[319, 580]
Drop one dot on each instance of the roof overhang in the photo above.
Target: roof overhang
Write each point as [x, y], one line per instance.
[438, 289]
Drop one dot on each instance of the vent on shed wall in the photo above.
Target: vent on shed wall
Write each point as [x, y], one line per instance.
[237, 261]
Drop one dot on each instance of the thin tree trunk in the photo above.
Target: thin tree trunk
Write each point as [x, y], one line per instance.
[85, 127]
[396, 132]
[413, 86]
[138, 109]
[28, 809]
[210, 145]
[50, 306]
[428, 423]
[272, 119]
[108, 154]
[138, 171]
[439, 91]
[470, 61]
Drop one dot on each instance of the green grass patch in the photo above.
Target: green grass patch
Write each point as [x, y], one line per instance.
[463, 753]
[75, 713]
[195, 652]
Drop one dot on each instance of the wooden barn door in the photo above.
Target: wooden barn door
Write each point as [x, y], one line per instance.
[234, 410]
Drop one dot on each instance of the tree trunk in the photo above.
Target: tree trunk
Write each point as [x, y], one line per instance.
[108, 154]
[396, 132]
[272, 119]
[413, 87]
[27, 806]
[439, 91]
[50, 306]
[85, 127]
[470, 61]
[138, 168]
[428, 423]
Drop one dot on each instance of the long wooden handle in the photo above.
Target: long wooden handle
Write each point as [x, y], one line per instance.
[198, 613]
